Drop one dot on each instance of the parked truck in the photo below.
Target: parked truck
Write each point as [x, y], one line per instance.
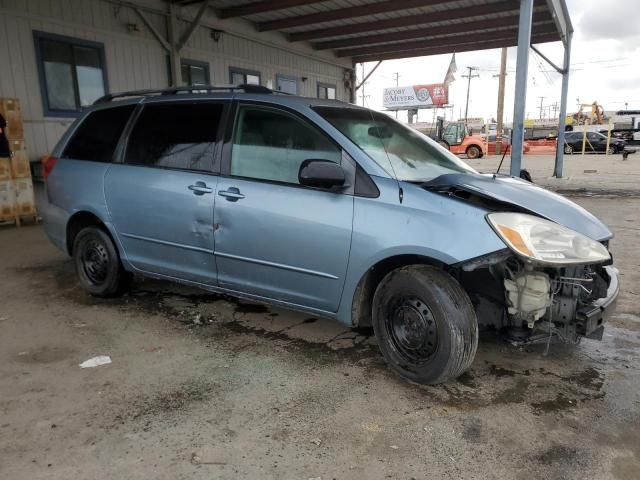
[458, 138]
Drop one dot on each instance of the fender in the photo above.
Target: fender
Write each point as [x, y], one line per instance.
[426, 224]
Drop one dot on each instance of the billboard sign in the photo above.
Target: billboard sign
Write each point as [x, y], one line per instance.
[416, 96]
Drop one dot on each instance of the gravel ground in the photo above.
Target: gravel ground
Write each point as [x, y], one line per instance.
[203, 386]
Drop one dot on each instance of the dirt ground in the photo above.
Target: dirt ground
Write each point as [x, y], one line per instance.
[202, 386]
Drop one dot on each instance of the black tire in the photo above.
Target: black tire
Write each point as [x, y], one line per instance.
[425, 324]
[612, 150]
[98, 264]
[568, 149]
[473, 151]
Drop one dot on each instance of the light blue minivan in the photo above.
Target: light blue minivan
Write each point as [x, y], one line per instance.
[327, 208]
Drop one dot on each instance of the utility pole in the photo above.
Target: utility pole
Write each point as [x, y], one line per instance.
[397, 75]
[501, 85]
[541, 107]
[469, 76]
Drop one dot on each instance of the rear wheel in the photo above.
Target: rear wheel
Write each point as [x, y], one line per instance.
[568, 149]
[425, 324]
[474, 151]
[612, 150]
[98, 264]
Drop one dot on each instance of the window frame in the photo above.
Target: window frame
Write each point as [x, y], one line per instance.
[123, 145]
[245, 72]
[320, 85]
[287, 77]
[348, 164]
[42, 80]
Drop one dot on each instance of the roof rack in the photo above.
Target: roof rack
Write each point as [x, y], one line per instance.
[246, 88]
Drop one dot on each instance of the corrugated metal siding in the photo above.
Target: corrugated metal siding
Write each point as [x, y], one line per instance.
[134, 61]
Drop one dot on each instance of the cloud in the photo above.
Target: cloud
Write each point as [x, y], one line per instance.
[604, 52]
[609, 20]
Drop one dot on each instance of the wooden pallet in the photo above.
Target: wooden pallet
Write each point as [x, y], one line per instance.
[19, 219]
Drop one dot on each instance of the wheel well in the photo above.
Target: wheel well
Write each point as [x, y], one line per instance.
[77, 222]
[363, 296]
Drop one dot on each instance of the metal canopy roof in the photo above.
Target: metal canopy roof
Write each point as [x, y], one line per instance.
[371, 30]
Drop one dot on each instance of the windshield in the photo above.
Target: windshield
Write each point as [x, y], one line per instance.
[401, 151]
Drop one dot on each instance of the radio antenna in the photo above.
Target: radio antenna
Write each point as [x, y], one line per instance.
[393, 170]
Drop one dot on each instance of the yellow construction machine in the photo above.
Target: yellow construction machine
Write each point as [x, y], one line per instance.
[597, 116]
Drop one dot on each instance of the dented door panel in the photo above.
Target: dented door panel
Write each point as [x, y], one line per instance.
[164, 219]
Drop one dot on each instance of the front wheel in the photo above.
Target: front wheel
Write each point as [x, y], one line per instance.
[425, 324]
[98, 264]
[474, 152]
[568, 149]
[612, 150]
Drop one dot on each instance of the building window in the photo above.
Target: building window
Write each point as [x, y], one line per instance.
[194, 72]
[239, 76]
[287, 84]
[326, 90]
[72, 73]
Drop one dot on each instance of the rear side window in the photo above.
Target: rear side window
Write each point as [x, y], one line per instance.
[177, 135]
[97, 136]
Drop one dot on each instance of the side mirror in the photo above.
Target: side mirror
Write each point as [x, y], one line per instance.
[321, 174]
[381, 132]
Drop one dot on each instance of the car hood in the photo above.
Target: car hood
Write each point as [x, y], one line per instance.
[522, 196]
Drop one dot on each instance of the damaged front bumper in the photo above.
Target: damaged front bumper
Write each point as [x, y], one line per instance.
[569, 303]
[590, 319]
[530, 303]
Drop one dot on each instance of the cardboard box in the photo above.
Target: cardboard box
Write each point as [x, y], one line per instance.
[5, 169]
[10, 110]
[15, 145]
[25, 202]
[7, 200]
[20, 167]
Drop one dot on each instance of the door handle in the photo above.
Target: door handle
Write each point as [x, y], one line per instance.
[200, 188]
[232, 194]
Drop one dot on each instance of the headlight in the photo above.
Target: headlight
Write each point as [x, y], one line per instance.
[546, 242]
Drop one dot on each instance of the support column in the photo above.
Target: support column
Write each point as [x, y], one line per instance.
[557, 172]
[175, 68]
[501, 85]
[522, 71]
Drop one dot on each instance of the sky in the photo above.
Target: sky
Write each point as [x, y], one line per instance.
[604, 67]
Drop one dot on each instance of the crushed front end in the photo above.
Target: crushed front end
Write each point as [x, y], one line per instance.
[531, 303]
[567, 303]
[554, 278]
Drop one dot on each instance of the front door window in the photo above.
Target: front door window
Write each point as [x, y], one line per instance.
[271, 145]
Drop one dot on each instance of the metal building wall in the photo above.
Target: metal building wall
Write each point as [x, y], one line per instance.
[135, 60]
